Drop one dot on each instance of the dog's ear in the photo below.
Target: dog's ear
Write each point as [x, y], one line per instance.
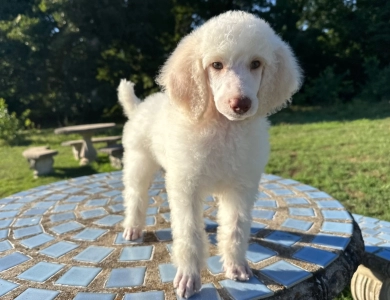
[281, 78]
[183, 78]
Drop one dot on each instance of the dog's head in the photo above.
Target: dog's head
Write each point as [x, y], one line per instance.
[235, 61]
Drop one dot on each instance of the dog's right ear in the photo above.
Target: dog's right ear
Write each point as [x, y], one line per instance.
[183, 78]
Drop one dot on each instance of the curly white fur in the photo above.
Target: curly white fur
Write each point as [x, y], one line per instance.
[205, 146]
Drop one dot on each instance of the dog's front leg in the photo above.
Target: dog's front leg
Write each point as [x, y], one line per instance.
[234, 218]
[189, 238]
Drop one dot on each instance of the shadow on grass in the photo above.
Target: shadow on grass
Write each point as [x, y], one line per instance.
[332, 113]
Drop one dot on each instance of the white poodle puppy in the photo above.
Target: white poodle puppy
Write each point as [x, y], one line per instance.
[208, 130]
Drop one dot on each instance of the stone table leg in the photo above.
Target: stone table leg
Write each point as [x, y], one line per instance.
[88, 152]
[369, 285]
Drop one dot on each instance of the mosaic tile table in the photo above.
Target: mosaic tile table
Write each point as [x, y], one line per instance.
[64, 241]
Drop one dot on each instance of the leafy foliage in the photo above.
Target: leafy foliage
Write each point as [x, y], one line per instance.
[63, 59]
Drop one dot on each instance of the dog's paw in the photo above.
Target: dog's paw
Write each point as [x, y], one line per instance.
[132, 233]
[186, 285]
[240, 272]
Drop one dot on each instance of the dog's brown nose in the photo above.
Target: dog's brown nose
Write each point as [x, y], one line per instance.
[240, 105]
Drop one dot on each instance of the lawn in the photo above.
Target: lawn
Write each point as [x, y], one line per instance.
[342, 150]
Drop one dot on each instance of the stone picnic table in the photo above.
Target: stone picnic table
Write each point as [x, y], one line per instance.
[64, 241]
[88, 152]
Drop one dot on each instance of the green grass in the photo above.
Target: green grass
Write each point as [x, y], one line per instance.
[344, 151]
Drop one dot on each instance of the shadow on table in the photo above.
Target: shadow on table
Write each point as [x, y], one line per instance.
[71, 172]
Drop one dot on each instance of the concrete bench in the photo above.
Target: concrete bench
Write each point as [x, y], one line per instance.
[371, 280]
[40, 159]
[78, 144]
[115, 153]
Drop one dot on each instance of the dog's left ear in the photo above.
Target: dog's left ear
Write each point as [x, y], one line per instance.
[282, 77]
[183, 78]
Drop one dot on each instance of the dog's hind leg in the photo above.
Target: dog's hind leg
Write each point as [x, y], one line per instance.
[138, 171]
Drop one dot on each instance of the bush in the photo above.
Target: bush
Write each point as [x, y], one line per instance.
[10, 125]
[377, 87]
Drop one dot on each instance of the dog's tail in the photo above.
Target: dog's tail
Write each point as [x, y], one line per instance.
[127, 97]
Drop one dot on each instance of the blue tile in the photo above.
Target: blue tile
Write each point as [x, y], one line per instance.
[296, 201]
[337, 227]
[370, 240]
[371, 249]
[256, 227]
[94, 254]
[283, 192]
[304, 188]
[166, 217]
[257, 253]
[3, 233]
[5, 223]
[288, 181]
[265, 203]
[150, 221]
[263, 214]
[41, 294]
[213, 239]
[112, 193]
[329, 204]
[117, 199]
[62, 217]
[368, 225]
[6, 200]
[94, 296]
[66, 227]
[27, 221]
[153, 193]
[46, 204]
[126, 277]
[332, 241]
[300, 211]
[96, 202]
[285, 273]
[13, 206]
[117, 207]
[169, 248]
[64, 207]
[336, 214]
[270, 177]
[37, 240]
[209, 224]
[165, 204]
[385, 254]
[5, 245]
[215, 265]
[27, 199]
[77, 199]
[6, 286]
[272, 186]
[246, 290]
[120, 240]
[357, 217]
[261, 195]
[12, 260]
[79, 276]
[93, 213]
[8, 214]
[297, 224]
[384, 236]
[95, 190]
[282, 238]
[164, 234]
[318, 195]
[35, 211]
[151, 211]
[167, 272]
[207, 291]
[89, 234]
[109, 220]
[164, 197]
[136, 253]
[153, 295]
[55, 197]
[41, 271]
[58, 249]
[26, 231]
[316, 256]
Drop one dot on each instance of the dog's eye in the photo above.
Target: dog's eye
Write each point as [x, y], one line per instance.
[255, 64]
[217, 65]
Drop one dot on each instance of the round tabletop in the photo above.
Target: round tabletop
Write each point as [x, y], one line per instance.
[64, 241]
[84, 128]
